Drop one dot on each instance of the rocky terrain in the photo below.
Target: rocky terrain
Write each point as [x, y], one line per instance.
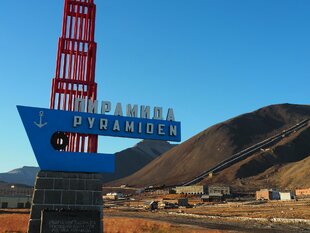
[25, 175]
[222, 140]
[127, 162]
[132, 159]
[284, 165]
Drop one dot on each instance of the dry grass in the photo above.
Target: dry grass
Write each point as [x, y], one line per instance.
[13, 223]
[132, 225]
[271, 209]
[17, 223]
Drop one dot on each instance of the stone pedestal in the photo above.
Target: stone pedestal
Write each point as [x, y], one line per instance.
[65, 191]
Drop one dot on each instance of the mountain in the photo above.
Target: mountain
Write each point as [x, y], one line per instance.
[127, 162]
[132, 159]
[219, 142]
[25, 175]
[284, 165]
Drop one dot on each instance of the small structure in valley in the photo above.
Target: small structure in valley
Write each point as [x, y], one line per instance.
[286, 196]
[273, 194]
[194, 189]
[214, 197]
[218, 189]
[114, 196]
[216, 193]
[301, 193]
[151, 205]
[267, 194]
[183, 202]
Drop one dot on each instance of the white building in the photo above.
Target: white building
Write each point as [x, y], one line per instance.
[15, 202]
[114, 196]
[194, 189]
[286, 196]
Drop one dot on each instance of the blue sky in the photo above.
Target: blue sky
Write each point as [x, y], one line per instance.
[209, 60]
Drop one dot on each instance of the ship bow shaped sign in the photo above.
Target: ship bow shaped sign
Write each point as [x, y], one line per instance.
[47, 129]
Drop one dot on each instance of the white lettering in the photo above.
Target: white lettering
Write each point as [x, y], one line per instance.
[161, 129]
[132, 111]
[116, 126]
[105, 107]
[158, 113]
[103, 124]
[170, 115]
[118, 110]
[91, 121]
[173, 130]
[141, 127]
[77, 121]
[149, 128]
[145, 112]
[79, 105]
[129, 127]
[92, 106]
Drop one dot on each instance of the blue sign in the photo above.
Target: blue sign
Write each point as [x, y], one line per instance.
[42, 124]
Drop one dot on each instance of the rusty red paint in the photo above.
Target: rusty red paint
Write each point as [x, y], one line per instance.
[75, 66]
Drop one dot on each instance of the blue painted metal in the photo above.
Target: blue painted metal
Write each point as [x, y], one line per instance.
[40, 124]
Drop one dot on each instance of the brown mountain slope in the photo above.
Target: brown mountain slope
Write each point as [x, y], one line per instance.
[284, 165]
[217, 143]
[292, 175]
[132, 159]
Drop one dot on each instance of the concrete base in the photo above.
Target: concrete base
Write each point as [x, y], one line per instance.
[63, 190]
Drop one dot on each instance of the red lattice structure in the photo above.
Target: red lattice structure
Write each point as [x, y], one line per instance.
[75, 66]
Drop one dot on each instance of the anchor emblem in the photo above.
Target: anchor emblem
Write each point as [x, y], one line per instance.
[40, 124]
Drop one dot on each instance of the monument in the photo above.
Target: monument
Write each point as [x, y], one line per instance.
[68, 191]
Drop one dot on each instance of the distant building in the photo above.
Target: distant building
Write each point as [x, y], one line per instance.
[15, 202]
[194, 189]
[167, 205]
[267, 194]
[302, 192]
[15, 190]
[286, 196]
[161, 192]
[114, 196]
[139, 191]
[183, 202]
[214, 197]
[263, 194]
[152, 205]
[225, 190]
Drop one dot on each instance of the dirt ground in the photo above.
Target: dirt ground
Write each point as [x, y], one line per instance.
[255, 209]
[250, 216]
[130, 217]
[137, 225]
[16, 221]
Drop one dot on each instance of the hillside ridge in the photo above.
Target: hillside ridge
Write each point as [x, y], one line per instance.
[217, 143]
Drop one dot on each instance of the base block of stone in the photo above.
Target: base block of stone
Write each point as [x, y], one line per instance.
[66, 194]
[70, 221]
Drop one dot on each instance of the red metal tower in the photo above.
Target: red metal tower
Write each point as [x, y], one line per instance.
[75, 66]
